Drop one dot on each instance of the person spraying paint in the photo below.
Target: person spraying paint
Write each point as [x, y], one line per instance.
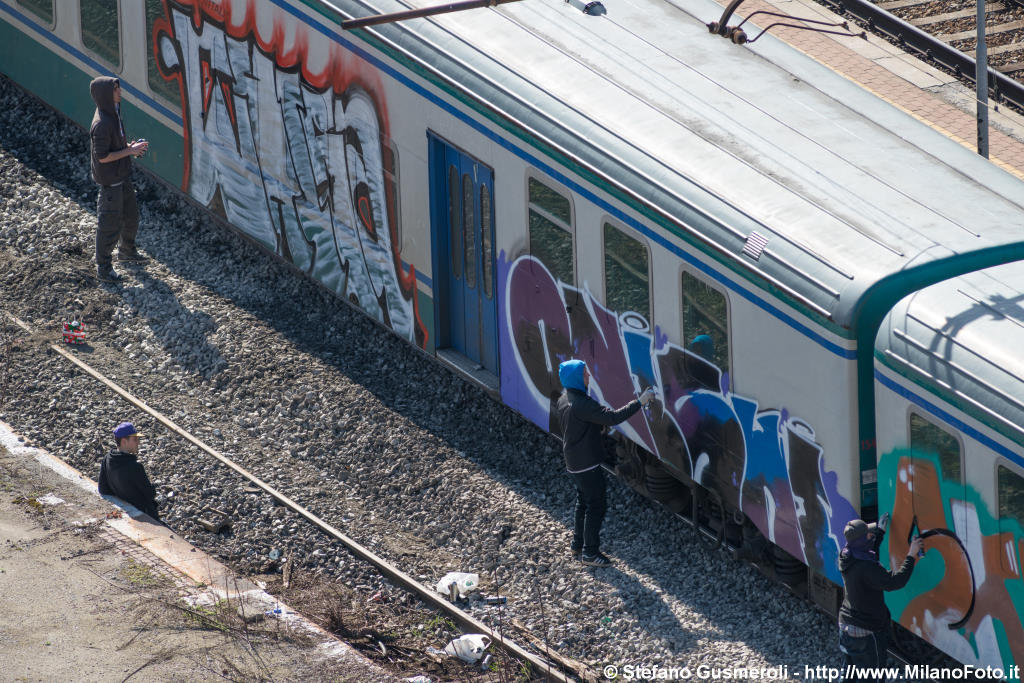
[582, 419]
[864, 618]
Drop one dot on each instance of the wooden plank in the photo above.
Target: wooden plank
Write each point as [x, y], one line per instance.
[950, 16]
[890, 5]
[1001, 49]
[989, 31]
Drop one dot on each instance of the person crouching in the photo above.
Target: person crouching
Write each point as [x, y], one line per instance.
[122, 475]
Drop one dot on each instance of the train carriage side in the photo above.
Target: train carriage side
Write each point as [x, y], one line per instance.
[493, 211]
[949, 382]
[373, 175]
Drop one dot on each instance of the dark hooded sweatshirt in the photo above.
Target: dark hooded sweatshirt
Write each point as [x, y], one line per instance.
[866, 582]
[121, 475]
[107, 134]
[582, 419]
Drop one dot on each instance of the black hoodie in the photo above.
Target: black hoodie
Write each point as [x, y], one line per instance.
[582, 419]
[107, 134]
[121, 475]
[866, 582]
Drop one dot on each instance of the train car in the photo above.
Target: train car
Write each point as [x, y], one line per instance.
[510, 187]
[949, 384]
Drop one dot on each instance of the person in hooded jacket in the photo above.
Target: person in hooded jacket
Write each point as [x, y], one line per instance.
[864, 618]
[122, 475]
[582, 420]
[117, 209]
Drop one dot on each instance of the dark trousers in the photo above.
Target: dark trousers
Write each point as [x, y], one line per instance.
[590, 509]
[868, 652]
[118, 220]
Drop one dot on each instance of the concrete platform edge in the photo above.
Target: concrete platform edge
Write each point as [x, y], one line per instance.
[214, 581]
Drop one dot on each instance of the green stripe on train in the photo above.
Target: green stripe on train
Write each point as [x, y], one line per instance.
[65, 87]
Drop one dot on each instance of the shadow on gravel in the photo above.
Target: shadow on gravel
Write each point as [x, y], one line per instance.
[181, 332]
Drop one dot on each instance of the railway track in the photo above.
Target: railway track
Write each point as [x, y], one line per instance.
[548, 666]
[944, 32]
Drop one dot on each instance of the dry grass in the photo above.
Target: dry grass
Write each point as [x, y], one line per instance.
[393, 629]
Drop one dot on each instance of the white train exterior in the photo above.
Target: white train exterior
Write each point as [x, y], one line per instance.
[506, 188]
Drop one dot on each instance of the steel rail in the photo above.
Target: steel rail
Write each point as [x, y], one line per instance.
[548, 669]
[1001, 87]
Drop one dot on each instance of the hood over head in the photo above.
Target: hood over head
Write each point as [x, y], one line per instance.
[858, 545]
[570, 374]
[102, 91]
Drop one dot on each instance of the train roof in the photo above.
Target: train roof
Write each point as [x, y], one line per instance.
[716, 141]
[961, 339]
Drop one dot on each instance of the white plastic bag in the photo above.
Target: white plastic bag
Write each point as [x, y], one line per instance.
[464, 584]
[469, 648]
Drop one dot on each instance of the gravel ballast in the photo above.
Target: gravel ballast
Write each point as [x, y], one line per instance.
[364, 430]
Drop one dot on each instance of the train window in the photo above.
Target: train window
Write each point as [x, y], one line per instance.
[1011, 496]
[41, 8]
[485, 241]
[550, 219]
[100, 30]
[626, 273]
[469, 230]
[454, 214]
[706, 321]
[926, 437]
[157, 83]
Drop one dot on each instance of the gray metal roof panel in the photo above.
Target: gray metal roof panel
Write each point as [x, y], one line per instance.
[962, 337]
[847, 188]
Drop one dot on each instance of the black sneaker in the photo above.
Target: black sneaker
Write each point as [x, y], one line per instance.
[132, 256]
[107, 275]
[598, 560]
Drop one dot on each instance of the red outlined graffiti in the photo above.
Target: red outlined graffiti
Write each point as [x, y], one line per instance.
[287, 136]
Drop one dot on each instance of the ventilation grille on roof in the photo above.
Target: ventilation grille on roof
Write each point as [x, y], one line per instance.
[755, 244]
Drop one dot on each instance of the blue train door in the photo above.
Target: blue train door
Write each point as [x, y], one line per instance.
[462, 233]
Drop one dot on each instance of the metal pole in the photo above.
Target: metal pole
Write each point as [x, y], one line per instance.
[981, 80]
[349, 24]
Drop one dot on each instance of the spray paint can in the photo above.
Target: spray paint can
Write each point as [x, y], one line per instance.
[495, 600]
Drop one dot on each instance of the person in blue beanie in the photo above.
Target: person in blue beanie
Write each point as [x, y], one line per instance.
[122, 475]
[864, 618]
[582, 419]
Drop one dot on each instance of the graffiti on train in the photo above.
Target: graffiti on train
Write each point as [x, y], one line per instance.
[967, 591]
[286, 137]
[767, 461]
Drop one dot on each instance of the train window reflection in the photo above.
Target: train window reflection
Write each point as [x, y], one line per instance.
[100, 30]
[550, 225]
[485, 241]
[626, 273]
[1011, 497]
[454, 216]
[41, 8]
[927, 438]
[157, 83]
[469, 229]
[706, 321]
